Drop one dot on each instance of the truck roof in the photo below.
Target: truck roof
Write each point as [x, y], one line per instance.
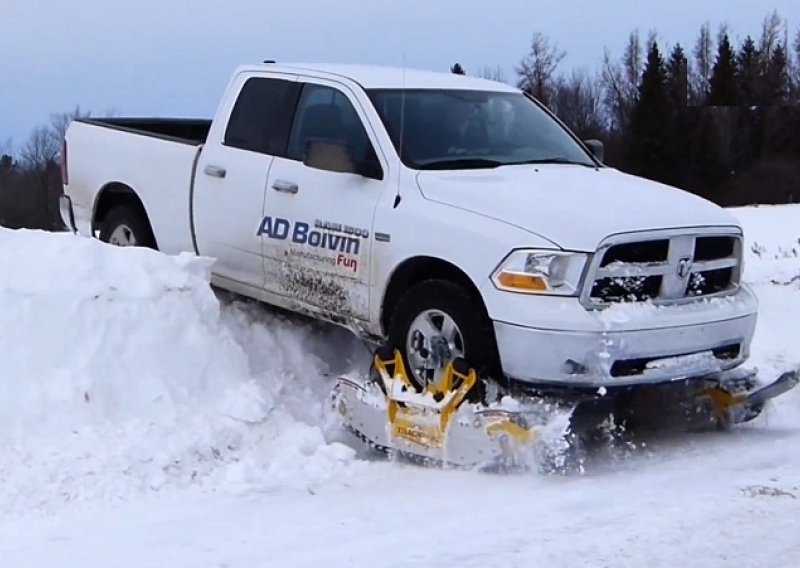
[387, 77]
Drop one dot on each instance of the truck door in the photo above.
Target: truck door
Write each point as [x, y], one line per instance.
[317, 226]
[231, 175]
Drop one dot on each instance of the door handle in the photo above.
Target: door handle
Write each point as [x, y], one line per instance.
[285, 186]
[214, 171]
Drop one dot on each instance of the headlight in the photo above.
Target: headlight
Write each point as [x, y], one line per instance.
[541, 272]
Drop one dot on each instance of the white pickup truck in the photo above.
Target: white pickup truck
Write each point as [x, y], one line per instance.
[447, 215]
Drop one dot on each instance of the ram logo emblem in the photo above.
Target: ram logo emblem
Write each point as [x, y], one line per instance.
[684, 267]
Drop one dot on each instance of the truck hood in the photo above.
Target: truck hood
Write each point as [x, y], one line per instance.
[574, 207]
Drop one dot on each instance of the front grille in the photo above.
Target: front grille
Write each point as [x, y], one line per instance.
[709, 282]
[665, 270]
[642, 252]
[627, 289]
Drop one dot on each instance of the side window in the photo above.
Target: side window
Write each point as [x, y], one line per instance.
[323, 113]
[261, 117]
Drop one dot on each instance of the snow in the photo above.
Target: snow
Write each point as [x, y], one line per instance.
[121, 375]
[147, 421]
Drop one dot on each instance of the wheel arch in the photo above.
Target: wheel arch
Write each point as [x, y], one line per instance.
[418, 269]
[114, 194]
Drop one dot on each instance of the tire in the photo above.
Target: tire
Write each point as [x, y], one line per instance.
[477, 340]
[125, 226]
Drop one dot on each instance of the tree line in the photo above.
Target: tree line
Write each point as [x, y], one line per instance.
[720, 118]
[30, 179]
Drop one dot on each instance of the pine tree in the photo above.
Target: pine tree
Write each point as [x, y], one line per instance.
[749, 63]
[776, 81]
[677, 77]
[724, 77]
[676, 135]
[647, 151]
[457, 69]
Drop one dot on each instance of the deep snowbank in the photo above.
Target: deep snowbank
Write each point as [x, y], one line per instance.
[120, 374]
[718, 499]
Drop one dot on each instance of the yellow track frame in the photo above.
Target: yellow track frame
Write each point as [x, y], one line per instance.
[410, 419]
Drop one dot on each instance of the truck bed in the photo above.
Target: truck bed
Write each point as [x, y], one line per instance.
[185, 130]
[153, 157]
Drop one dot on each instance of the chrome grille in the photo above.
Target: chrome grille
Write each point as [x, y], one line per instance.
[664, 269]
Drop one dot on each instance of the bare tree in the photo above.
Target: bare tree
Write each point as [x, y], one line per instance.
[704, 64]
[578, 101]
[613, 93]
[797, 47]
[39, 158]
[620, 81]
[633, 64]
[44, 143]
[493, 74]
[772, 29]
[537, 69]
[796, 68]
[60, 122]
[40, 150]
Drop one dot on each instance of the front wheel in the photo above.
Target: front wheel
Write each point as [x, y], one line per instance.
[126, 227]
[436, 322]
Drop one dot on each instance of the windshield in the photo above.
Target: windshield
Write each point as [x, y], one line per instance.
[453, 129]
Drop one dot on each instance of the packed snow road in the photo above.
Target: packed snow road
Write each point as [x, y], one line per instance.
[145, 423]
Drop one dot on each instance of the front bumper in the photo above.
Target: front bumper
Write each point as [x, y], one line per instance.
[630, 352]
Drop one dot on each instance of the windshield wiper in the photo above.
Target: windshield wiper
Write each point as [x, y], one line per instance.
[553, 160]
[461, 164]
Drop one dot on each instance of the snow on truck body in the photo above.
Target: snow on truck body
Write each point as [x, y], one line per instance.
[583, 275]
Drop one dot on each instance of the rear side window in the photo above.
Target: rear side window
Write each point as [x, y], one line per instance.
[262, 116]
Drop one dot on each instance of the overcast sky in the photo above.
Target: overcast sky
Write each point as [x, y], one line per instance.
[173, 57]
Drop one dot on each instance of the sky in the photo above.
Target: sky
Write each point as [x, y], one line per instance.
[174, 57]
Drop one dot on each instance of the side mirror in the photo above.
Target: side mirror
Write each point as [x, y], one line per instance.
[370, 167]
[597, 148]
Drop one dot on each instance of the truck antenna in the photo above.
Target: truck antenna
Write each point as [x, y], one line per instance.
[402, 133]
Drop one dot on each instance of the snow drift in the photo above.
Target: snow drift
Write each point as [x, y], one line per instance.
[120, 372]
